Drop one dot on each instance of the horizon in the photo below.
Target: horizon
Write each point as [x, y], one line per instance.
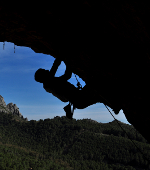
[19, 87]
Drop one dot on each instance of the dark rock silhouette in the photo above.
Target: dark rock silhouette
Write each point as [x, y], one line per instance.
[107, 45]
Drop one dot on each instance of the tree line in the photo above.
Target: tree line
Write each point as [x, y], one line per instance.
[61, 143]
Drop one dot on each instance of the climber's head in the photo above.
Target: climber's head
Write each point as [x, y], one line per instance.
[41, 75]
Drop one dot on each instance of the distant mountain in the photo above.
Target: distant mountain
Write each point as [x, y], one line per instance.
[61, 143]
[10, 109]
[68, 144]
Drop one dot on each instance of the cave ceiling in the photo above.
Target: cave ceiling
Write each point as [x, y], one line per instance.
[106, 44]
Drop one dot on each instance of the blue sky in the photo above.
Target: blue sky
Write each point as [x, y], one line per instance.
[19, 87]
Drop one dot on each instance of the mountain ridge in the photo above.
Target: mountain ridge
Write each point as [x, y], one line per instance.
[81, 143]
[10, 108]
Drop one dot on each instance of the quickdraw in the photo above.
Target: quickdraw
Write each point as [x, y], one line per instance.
[78, 83]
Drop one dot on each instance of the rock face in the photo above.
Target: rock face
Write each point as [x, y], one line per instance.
[3, 106]
[9, 108]
[107, 44]
[14, 109]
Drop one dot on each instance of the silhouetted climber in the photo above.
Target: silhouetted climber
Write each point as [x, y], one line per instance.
[64, 90]
[47, 78]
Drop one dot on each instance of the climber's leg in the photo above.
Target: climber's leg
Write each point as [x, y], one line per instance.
[63, 89]
[79, 98]
[67, 109]
[82, 98]
[85, 98]
[74, 108]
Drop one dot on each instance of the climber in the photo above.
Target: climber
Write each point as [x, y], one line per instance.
[64, 90]
[46, 77]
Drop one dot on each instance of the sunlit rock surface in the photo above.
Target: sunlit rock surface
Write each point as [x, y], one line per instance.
[10, 108]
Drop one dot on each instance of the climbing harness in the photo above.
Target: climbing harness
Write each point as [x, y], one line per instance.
[120, 125]
[68, 107]
[78, 83]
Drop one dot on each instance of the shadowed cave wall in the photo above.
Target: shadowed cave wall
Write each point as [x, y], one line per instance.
[105, 43]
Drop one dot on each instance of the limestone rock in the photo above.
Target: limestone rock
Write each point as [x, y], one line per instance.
[14, 109]
[3, 106]
[10, 108]
[26, 119]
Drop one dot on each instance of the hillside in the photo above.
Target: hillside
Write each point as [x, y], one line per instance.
[60, 143]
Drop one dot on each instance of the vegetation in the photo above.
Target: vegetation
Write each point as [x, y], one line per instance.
[63, 144]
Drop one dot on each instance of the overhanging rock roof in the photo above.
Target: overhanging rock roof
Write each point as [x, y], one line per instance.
[105, 43]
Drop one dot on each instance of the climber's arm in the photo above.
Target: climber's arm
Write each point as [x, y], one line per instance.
[68, 72]
[67, 75]
[55, 66]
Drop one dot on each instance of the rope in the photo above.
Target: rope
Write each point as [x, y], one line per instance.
[127, 135]
[80, 87]
[121, 126]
